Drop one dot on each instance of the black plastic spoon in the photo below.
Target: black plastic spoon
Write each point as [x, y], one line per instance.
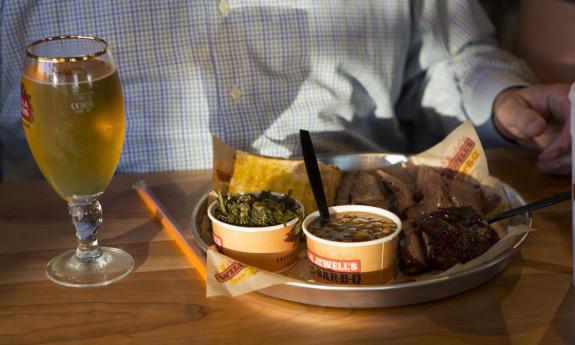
[313, 175]
[551, 200]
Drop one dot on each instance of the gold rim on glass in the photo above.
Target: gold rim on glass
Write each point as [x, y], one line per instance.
[67, 58]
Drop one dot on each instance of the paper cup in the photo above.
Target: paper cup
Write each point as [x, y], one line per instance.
[272, 248]
[354, 263]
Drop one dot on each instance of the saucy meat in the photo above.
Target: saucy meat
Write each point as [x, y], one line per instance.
[443, 238]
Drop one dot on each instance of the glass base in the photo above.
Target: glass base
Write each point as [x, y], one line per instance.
[113, 265]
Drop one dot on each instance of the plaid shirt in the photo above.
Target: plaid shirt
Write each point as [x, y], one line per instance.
[359, 75]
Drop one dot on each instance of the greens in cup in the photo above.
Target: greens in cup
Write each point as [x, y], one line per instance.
[258, 209]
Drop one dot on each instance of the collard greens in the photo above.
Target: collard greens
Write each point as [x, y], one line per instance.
[263, 209]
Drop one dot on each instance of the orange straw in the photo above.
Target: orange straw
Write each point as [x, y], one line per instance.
[188, 246]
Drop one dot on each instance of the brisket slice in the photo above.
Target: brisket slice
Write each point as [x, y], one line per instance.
[466, 193]
[345, 188]
[441, 239]
[373, 188]
[412, 254]
[363, 188]
[397, 190]
[430, 192]
[368, 190]
[435, 190]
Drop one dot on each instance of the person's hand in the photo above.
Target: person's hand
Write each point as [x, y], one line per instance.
[537, 117]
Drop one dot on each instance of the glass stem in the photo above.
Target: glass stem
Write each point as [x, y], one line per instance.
[87, 216]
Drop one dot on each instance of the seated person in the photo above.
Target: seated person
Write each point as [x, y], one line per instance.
[367, 76]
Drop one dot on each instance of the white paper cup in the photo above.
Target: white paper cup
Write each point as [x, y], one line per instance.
[355, 263]
[272, 248]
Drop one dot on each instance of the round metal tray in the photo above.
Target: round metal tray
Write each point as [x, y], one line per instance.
[390, 295]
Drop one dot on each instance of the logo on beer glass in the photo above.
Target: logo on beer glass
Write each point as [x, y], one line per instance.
[83, 102]
[25, 105]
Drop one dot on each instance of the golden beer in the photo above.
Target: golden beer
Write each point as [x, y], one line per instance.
[75, 126]
[73, 117]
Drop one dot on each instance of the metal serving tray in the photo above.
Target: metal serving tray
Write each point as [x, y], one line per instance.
[390, 295]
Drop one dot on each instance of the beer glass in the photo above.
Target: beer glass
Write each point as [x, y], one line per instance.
[73, 117]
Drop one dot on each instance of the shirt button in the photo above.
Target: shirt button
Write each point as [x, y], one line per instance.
[236, 93]
[224, 7]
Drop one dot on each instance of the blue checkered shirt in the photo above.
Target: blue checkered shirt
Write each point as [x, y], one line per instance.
[359, 75]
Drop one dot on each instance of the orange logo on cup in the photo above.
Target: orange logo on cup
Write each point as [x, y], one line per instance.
[334, 265]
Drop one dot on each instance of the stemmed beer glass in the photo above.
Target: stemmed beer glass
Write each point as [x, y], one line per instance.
[74, 121]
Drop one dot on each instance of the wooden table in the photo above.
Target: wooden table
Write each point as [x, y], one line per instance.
[163, 302]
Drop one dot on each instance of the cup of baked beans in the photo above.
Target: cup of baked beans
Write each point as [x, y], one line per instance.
[358, 246]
